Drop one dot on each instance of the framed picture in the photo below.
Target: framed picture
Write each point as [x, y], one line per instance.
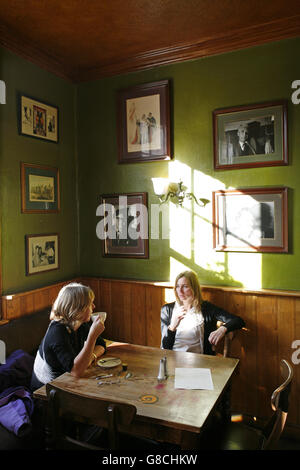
[39, 188]
[253, 219]
[42, 253]
[37, 119]
[250, 136]
[144, 123]
[124, 227]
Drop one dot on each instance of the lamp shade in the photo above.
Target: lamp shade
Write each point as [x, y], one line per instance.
[160, 186]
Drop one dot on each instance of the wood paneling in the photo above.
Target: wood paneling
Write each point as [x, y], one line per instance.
[272, 320]
[25, 303]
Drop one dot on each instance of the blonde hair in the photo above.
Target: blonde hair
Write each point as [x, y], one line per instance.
[72, 299]
[192, 278]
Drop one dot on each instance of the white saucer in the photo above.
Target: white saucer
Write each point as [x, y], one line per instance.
[107, 362]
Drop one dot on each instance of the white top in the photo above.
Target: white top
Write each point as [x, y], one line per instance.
[190, 332]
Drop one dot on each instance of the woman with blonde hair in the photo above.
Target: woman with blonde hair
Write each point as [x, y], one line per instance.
[190, 324]
[72, 342]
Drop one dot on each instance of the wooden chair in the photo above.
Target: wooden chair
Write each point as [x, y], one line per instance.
[67, 408]
[226, 343]
[228, 338]
[238, 436]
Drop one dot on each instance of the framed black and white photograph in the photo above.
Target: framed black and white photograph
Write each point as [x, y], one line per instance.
[40, 191]
[144, 123]
[250, 136]
[42, 253]
[254, 219]
[124, 227]
[38, 119]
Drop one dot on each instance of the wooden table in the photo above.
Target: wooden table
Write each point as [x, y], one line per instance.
[178, 415]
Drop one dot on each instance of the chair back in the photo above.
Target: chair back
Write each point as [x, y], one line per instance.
[226, 343]
[65, 405]
[228, 338]
[279, 404]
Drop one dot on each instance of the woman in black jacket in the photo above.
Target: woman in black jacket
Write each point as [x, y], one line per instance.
[190, 324]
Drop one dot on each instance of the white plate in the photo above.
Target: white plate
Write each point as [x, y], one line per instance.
[109, 362]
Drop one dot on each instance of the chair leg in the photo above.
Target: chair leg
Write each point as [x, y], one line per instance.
[226, 405]
[112, 427]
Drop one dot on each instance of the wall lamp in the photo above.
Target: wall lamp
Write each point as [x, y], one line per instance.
[165, 190]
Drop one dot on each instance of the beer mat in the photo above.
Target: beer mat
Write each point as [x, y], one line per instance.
[149, 399]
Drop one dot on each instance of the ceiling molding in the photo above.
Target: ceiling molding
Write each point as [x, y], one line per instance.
[29, 51]
[233, 40]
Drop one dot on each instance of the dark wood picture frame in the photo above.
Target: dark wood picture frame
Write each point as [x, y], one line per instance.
[143, 126]
[42, 253]
[40, 189]
[38, 119]
[251, 220]
[266, 143]
[132, 208]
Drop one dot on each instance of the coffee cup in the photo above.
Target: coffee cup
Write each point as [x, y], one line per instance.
[102, 316]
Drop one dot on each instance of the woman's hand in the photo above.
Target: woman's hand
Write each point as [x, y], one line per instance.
[177, 316]
[97, 328]
[217, 335]
[87, 354]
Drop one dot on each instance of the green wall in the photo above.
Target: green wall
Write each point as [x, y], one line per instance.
[28, 79]
[198, 87]
[86, 156]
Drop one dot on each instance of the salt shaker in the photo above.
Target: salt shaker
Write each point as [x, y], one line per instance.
[161, 372]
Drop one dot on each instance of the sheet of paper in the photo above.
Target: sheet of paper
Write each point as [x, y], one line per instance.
[193, 378]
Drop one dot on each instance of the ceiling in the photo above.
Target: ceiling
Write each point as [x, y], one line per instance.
[83, 40]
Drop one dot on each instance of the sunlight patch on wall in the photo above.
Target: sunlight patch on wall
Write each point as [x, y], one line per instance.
[191, 235]
[246, 268]
[204, 254]
[175, 268]
[180, 171]
[204, 185]
[181, 217]
[181, 231]
[169, 295]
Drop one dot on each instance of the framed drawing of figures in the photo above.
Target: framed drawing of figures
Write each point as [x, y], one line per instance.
[254, 219]
[39, 188]
[144, 123]
[124, 226]
[250, 136]
[42, 253]
[37, 119]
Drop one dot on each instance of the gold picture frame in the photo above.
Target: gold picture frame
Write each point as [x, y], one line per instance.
[40, 191]
[37, 119]
[42, 253]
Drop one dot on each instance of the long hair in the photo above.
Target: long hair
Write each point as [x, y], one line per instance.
[72, 299]
[192, 278]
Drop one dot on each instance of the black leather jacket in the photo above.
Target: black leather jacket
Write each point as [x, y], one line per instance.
[211, 313]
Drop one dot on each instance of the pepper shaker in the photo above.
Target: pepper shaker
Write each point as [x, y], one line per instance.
[165, 367]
